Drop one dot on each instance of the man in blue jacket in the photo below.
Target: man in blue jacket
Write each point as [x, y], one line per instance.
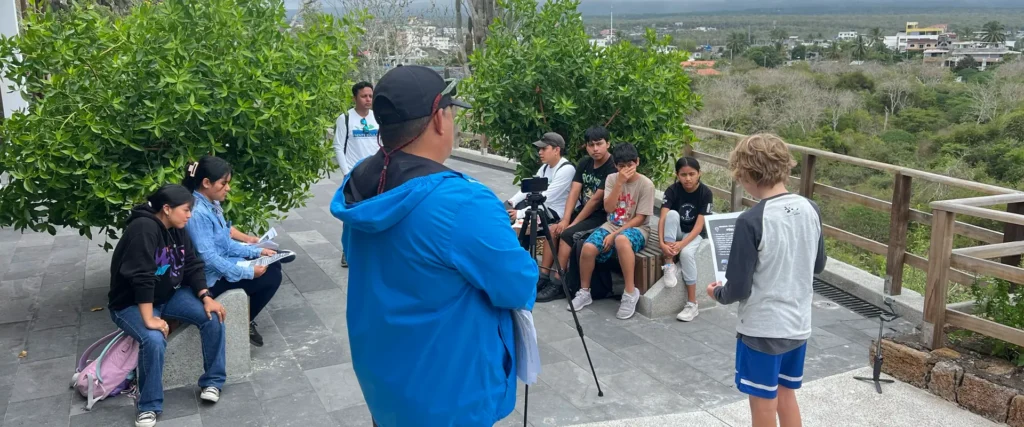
[435, 270]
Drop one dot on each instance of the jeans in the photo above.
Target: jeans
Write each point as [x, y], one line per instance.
[260, 290]
[185, 307]
[688, 256]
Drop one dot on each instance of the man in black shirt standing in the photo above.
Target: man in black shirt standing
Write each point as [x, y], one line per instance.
[588, 189]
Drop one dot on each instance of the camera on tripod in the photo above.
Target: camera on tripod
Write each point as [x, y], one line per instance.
[534, 185]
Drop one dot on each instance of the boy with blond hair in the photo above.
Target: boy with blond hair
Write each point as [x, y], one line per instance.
[777, 249]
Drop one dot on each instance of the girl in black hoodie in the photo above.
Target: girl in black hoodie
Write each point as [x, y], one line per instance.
[155, 274]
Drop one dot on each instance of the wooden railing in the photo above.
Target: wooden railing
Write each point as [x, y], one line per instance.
[975, 259]
[899, 207]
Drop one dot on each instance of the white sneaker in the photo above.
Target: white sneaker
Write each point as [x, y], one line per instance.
[210, 394]
[627, 308]
[689, 312]
[670, 278]
[581, 300]
[146, 419]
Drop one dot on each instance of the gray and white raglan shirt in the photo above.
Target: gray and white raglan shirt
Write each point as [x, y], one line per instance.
[777, 249]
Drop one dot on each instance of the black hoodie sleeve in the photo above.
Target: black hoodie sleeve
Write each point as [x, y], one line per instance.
[195, 268]
[138, 265]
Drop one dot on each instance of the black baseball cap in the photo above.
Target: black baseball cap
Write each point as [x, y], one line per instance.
[550, 139]
[409, 92]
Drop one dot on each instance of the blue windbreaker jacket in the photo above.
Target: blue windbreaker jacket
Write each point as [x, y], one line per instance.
[435, 270]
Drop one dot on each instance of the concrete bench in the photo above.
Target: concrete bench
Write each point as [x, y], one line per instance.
[661, 301]
[183, 362]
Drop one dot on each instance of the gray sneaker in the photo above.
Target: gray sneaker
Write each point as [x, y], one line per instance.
[689, 312]
[627, 308]
[581, 300]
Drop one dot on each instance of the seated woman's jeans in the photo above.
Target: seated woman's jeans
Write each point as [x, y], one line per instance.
[185, 307]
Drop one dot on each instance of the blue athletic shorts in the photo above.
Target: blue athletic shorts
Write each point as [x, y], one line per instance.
[636, 240]
[760, 374]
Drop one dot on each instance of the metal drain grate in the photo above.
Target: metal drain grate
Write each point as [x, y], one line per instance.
[845, 299]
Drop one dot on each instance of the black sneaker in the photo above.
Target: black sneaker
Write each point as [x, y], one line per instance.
[344, 262]
[254, 336]
[551, 292]
[542, 283]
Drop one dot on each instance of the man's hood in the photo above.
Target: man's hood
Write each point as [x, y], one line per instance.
[410, 179]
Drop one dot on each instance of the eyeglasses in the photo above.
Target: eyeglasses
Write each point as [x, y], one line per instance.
[448, 90]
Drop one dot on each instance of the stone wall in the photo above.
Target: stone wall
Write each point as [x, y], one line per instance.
[942, 372]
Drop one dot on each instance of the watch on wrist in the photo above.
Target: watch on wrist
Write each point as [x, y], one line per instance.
[205, 295]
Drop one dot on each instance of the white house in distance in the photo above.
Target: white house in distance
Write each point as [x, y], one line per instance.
[846, 35]
[12, 101]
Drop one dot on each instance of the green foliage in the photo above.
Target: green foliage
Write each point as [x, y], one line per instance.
[539, 73]
[920, 120]
[765, 56]
[1013, 126]
[855, 81]
[999, 303]
[121, 104]
[798, 53]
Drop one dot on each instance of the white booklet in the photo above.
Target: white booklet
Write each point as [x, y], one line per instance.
[266, 260]
[720, 229]
[527, 351]
[267, 240]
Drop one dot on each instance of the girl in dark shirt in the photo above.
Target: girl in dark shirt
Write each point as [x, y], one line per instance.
[686, 203]
[155, 274]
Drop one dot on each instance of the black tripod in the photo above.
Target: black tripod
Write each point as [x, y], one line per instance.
[537, 212]
[884, 317]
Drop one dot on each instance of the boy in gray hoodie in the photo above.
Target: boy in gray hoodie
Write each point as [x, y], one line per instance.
[777, 249]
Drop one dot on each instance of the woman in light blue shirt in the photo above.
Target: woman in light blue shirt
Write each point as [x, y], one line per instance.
[209, 179]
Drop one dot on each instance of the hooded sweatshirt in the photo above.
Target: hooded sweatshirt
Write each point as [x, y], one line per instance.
[151, 262]
[435, 270]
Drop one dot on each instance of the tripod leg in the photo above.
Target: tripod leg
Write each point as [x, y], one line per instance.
[544, 216]
[526, 404]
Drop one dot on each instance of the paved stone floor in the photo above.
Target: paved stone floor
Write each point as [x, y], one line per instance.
[303, 375]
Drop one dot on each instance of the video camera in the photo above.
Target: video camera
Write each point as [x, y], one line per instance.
[534, 185]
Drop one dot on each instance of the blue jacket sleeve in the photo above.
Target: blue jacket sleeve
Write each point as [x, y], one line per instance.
[236, 249]
[487, 253]
[204, 237]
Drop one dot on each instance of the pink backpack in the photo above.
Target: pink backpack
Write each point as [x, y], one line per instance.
[111, 373]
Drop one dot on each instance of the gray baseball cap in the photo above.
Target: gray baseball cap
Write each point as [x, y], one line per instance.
[550, 139]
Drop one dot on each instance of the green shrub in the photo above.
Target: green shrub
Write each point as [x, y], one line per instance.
[855, 81]
[122, 103]
[920, 120]
[1013, 126]
[998, 303]
[542, 74]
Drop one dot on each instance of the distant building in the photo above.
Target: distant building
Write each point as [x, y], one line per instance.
[980, 52]
[700, 68]
[916, 38]
[846, 35]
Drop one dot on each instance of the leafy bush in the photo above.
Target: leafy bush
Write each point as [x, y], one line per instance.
[538, 72]
[121, 104]
[997, 303]
[920, 120]
[1013, 126]
[855, 81]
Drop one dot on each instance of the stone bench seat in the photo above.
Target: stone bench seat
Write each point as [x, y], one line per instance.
[662, 301]
[183, 362]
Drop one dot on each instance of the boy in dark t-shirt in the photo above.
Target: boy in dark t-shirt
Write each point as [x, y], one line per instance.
[588, 188]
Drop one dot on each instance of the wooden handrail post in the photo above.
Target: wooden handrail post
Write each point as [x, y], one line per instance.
[736, 196]
[1013, 233]
[937, 286]
[483, 144]
[687, 150]
[807, 176]
[899, 220]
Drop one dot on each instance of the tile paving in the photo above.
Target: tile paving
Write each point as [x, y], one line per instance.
[49, 286]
